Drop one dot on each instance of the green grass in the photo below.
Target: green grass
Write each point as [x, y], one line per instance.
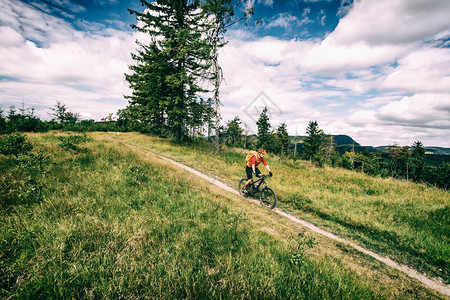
[115, 223]
[405, 221]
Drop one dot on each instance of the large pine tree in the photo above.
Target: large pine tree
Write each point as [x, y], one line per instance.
[314, 142]
[150, 98]
[283, 138]
[263, 129]
[165, 79]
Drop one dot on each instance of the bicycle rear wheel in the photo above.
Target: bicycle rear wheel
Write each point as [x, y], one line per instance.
[241, 188]
[268, 198]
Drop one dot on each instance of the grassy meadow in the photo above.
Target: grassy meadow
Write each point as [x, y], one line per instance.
[115, 221]
[408, 222]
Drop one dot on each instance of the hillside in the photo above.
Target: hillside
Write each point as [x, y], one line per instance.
[356, 205]
[115, 221]
[429, 150]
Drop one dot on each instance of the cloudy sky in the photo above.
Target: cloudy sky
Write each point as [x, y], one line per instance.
[378, 71]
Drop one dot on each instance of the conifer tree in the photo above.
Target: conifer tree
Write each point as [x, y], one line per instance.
[283, 138]
[313, 142]
[62, 114]
[165, 79]
[2, 122]
[149, 101]
[263, 128]
[417, 160]
[234, 131]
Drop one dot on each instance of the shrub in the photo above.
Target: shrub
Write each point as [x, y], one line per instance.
[14, 144]
[302, 244]
[72, 143]
[21, 181]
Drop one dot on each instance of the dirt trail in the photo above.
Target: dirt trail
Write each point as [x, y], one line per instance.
[431, 283]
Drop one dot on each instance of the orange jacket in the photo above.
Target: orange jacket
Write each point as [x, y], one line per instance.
[256, 160]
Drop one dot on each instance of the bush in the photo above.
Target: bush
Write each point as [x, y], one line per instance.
[302, 244]
[14, 144]
[20, 182]
[72, 143]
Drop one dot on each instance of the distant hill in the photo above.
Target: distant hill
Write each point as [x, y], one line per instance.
[346, 143]
[339, 139]
[437, 150]
[342, 142]
[428, 150]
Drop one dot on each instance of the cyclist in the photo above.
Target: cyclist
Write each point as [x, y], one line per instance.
[252, 165]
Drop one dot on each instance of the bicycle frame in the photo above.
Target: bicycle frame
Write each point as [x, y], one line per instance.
[261, 185]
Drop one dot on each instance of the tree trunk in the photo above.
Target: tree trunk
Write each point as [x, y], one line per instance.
[217, 81]
[161, 133]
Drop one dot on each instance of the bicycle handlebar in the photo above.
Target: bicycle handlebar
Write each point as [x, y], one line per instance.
[264, 176]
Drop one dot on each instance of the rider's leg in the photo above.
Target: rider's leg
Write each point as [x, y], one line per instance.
[247, 183]
[249, 172]
[258, 173]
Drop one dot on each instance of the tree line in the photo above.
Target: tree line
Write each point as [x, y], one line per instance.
[404, 162]
[401, 162]
[24, 119]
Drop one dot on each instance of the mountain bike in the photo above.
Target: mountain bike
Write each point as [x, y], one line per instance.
[267, 196]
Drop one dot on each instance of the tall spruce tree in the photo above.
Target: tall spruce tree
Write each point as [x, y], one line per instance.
[283, 138]
[417, 160]
[2, 122]
[314, 142]
[263, 128]
[234, 131]
[150, 98]
[165, 79]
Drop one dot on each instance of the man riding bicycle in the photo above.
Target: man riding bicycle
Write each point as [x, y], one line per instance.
[252, 165]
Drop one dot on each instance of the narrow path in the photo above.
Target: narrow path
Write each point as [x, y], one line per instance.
[431, 283]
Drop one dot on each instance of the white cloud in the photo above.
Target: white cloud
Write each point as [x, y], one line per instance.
[288, 21]
[84, 70]
[41, 96]
[283, 20]
[67, 4]
[420, 110]
[362, 118]
[423, 117]
[266, 2]
[313, 1]
[322, 17]
[93, 61]
[378, 101]
[35, 25]
[9, 37]
[392, 22]
[249, 4]
[345, 7]
[106, 2]
[423, 70]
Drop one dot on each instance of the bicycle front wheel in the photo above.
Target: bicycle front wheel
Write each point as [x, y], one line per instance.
[268, 198]
[241, 187]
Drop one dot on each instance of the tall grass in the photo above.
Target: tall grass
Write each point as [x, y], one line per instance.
[114, 225]
[406, 221]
